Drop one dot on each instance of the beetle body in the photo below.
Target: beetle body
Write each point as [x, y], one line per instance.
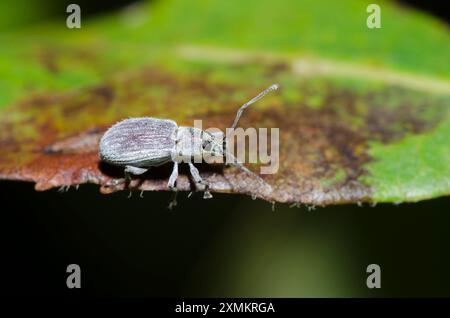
[140, 143]
[147, 142]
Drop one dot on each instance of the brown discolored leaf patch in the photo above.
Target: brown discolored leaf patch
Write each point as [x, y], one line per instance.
[325, 131]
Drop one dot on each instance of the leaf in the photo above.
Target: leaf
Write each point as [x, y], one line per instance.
[363, 114]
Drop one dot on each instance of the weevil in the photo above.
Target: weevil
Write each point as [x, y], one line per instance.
[137, 144]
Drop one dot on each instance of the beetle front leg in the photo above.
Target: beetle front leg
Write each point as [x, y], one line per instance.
[198, 179]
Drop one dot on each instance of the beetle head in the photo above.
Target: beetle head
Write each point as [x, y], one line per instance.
[213, 144]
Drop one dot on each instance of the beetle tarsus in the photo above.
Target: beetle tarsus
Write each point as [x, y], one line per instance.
[198, 180]
[173, 203]
[207, 195]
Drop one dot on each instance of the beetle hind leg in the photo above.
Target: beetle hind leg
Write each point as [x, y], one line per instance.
[128, 171]
[198, 179]
[134, 170]
[131, 170]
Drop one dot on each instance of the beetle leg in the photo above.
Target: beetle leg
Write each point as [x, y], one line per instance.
[129, 170]
[173, 202]
[127, 176]
[171, 185]
[173, 176]
[134, 170]
[198, 179]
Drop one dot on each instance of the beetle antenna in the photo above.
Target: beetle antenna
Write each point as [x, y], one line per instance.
[253, 100]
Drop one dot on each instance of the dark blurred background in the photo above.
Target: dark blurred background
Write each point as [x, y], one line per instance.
[229, 246]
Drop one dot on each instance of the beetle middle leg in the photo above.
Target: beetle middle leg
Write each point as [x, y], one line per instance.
[198, 179]
[171, 185]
